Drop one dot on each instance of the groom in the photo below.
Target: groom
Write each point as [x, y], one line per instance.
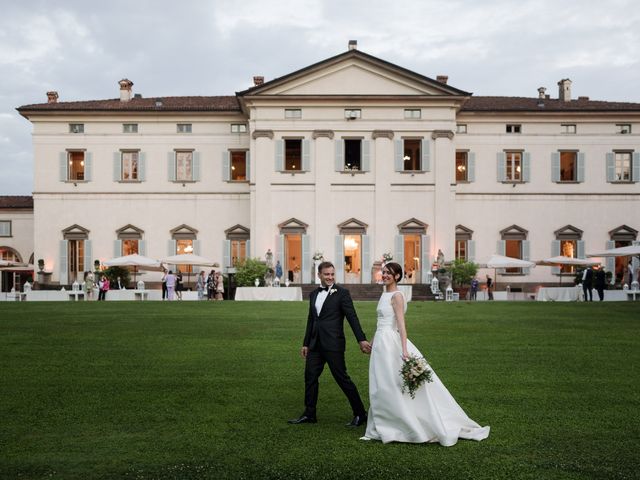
[324, 342]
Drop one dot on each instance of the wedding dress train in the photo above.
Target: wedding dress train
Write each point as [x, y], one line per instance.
[432, 416]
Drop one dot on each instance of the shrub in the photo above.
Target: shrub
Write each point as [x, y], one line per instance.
[248, 270]
[112, 273]
[462, 272]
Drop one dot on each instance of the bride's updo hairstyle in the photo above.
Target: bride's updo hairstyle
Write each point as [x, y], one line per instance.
[395, 269]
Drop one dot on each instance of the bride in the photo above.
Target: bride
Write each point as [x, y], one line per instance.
[434, 415]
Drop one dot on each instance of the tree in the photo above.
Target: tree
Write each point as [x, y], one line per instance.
[462, 272]
[248, 270]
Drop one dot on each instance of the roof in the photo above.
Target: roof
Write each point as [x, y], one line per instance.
[136, 104]
[363, 56]
[16, 201]
[526, 104]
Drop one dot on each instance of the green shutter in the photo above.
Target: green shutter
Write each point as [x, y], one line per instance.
[339, 166]
[226, 253]
[635, 167]
[247, 160]
[226, 166]
[142, 247]
[426, 155]
[171, 167]
[117, 166]
[64, 172]
[306, 156]
[398, 250]
[555, 251]
[425, 265]
[555, 166]
[63, 268]
[366, 156]
[339, 261]
[142, 167]
[526, 167]
[196, 247]
[366, 259]
[195, 171]
[88, 166]
[580, 167]
[307, 262]
[471, 167]
[611, 261]
[501, 160]
[398, 155]
[280, 155]
[526, 247]
[117, 248]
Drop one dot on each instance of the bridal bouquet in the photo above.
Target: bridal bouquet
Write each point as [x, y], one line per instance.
[414, 373]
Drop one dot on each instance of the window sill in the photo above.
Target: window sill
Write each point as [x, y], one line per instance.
[513, 274]
[623, 182]
[353, 172]
[129, 181]
[412, 172]
[513, 182]
[292, 172]
[458, 182]
[76, 181]
[237, 181]
[569, 181]
[183, 181]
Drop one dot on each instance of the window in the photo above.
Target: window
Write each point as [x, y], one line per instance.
[461, 128]
[514, 128]
[568, 128]
[130, 246]
[412, 113]
[76, 128]
[130, 166]
[129, 128]
[184, 127]
[513, 167]
[352, 114]
[184, 166]
[238, 251]
[623, 128]
[10, 255]
[293, 154]
[514, 244]
[75, 169]
[461, 249]
[461, 167]
[622, 167]
[5, 228]
[464, 245]
[568, 166]
[238, 128]
[184, 246]
[352, 154]
[412, 154]
[238, 166]
[292, 113]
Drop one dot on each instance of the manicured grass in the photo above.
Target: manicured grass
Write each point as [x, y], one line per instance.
[203, 390]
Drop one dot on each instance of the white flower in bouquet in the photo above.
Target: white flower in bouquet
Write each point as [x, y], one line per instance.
[414, 373]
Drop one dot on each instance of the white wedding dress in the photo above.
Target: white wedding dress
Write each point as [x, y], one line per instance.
[433, 416]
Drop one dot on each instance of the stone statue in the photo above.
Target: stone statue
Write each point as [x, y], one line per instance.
[440, 259]
[269, 258]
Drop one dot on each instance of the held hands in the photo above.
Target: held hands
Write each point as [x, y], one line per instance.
[304, 351]
[365, 347]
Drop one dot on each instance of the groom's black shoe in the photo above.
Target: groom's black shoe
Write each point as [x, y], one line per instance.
[357, 421]
[302, 419]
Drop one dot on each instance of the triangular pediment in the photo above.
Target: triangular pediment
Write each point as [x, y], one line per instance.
[183, 229]
[293, 225]
[413, 225]
[623, 233]
[238, 232]
[353, 226]
[129, 230]
[354, 73]
[75, 229]
[568, 232]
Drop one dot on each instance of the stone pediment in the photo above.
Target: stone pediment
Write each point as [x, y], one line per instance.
[238, 232]
[129, 230]
[353, 226]
[293, 225]
[353, 73]
[568, 232]
[514, 232]
[75, 232]
[623, 233]
[183, 232]
[413, 226]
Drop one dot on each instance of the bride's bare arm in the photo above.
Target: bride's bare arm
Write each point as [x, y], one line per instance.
[397, 302]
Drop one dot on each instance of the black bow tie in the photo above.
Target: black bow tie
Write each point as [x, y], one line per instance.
[324, 289]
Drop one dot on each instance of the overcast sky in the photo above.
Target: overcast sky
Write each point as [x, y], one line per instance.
[82, 48]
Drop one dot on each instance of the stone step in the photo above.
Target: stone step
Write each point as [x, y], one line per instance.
[371, 292]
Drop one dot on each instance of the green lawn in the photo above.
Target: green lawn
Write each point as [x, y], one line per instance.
[203, 390]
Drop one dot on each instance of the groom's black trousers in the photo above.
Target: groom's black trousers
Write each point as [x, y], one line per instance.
[314, 365]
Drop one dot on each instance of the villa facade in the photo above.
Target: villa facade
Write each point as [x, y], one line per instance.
[353, 157]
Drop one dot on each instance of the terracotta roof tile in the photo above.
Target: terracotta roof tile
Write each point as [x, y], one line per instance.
[525, 104]
[16, 201]
[190, 104]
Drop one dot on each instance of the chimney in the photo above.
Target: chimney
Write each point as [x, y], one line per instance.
[541, 92]
[125, 89]
[353, 44]
[258, 80]
[52, 97]
[442, 79]
[564, 90]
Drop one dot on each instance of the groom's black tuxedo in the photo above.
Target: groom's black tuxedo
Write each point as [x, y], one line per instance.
[325, 339]
[326, 330]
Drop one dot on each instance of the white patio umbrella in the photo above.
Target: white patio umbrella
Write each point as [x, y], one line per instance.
[500, 261]
[134, 260]
[631, 250]
[189, 259]
[561, 260]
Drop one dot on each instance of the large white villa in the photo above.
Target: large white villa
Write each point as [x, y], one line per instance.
[353, 157]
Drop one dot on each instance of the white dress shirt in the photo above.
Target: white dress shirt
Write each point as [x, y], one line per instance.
[321, 297]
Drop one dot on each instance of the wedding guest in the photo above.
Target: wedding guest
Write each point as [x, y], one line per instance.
[473, 294]
[630, 273]
[489, 287]
[103, 285]
[278, 271]
[179, 286]
[164, 284]
[171, 285]
[119, 284]
[201, 283]
[211, 285]
[219, 286]
[587, 284]
[600, 280]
